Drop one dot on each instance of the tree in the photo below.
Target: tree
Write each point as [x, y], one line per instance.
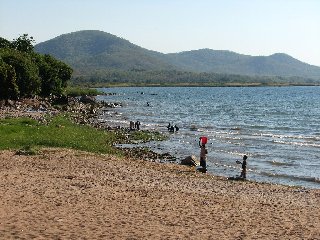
[4, 43]
[24, 73]
[27, 72]
[23, 43]
[9, 88]
[54, 74]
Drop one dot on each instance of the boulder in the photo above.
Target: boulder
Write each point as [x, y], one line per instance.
[190, 161]
[87, 99]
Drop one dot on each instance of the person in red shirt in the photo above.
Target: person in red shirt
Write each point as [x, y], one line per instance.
[203, 157]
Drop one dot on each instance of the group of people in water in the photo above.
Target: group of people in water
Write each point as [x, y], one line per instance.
[203, 150]
[172, 128]
[135, 125]
[203, 160]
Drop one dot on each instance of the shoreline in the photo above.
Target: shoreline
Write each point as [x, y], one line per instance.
[71, 194]
[63, 193]
[83, 113]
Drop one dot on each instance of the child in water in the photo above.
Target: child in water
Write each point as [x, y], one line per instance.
[244, 167]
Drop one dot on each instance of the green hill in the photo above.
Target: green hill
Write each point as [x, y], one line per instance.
[90, 52]
[207, 60]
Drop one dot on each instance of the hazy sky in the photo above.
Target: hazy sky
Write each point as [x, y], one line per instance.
[253, 27]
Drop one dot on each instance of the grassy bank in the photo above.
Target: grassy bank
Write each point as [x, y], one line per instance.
[28, 135]
[25, 133]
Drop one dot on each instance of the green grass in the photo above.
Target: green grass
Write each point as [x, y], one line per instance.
[28, 134]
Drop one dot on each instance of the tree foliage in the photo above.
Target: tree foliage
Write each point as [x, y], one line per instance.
[4, 43]
[25, 73]
[183, 78]
[23, 43]
[9, 88]
[55, 72]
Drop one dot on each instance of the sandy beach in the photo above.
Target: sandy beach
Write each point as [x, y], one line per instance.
[67, 194]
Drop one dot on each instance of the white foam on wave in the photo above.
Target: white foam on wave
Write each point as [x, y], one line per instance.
[304, 144]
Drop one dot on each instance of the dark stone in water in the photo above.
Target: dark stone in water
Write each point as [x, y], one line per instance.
[87, 99]
[189, 161]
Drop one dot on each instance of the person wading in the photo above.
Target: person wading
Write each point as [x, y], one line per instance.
[203, 153]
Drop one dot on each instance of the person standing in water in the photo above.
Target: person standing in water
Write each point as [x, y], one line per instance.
[244, 167]
[203, 156]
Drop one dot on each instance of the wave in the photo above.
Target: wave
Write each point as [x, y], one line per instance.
[291, 177]
[275, 163]
[232, 153]
[304, 144]
[193, 127]
[280, 136]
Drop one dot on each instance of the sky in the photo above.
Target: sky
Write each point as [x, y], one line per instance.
[251, 27]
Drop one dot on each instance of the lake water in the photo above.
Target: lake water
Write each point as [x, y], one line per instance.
[277, 127]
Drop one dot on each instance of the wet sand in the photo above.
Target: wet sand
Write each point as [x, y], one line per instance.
[67, 194]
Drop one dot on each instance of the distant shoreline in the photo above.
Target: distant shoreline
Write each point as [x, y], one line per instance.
[201, 85]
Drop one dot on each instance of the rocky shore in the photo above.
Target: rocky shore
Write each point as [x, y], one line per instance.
[83, 110]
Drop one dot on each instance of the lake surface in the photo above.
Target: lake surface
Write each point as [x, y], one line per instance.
[277, 127]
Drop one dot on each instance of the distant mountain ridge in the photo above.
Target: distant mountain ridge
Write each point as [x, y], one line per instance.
[221, 61]
[89, 51]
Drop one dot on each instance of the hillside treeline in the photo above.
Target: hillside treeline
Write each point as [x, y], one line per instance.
[137, 77]
[95, 53]
[25, 73]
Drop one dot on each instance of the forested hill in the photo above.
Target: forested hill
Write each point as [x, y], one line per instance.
[219, 61]
[91, 51]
